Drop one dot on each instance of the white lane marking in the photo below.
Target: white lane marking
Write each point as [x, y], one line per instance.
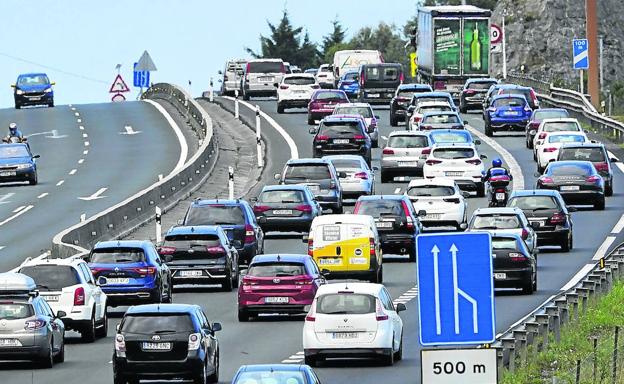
[86, 143]
[85, 135]
[604, 247]
[19, 208]
[60, 183]
[21, 212]
[514, 167]
[73, 171]
[2, 247]
[290, 361]
[4, 198]
[80, 161]
[579, 275]
[77, 114]
[294, 151]
[81, 127]
[619, 226]
[95, 196]
[86, 151]
[178, 132]
[44, 194]
[384, 137]
[129, 131]
[397, 190]
[79, 120]
[72, 108]
[620, 166]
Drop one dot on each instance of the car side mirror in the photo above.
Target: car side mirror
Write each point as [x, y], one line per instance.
[254, 199]
[53, 83]
[12, 85]
[463, 226]
[168, 258]
[465, 194]
[275, 85]
[305, 237]
[400, 307]
[216, 327]
[422, 213]
[220, 72]
[237, 243]
[60, 314]
[377, 117]
[313, 130]
[325, 272]
[375, 168]
[483, 156]
[411, 109]
[277, 176]
[613, 160]
[537, 174]
[36, 156]
[477, 141]
[572, 209]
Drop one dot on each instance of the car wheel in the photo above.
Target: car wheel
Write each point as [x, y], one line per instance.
[388, 359]
[102, 331]
[337, 210]
[385, 177]
[488, 130]
[535, 283]
[243, 316]
[34, 180]
[201, 376]
[214, 378]
[609, 189]
[375, 143]
[226, 285]
[246, 97]
[169, 298]
[393, 120]
[311, 361]
[566, 242]
[235, 279]
[412, 255]
[88, 332]
[380, 275]
[47, 361]
[462, 109]
[157, 295]
[310, 119]
[60, 356]
[118, 378]
[480, 189]
[527, 288]
[600, 204]
[280, 108]
[17, 106]
[398, 355]
[51, 104]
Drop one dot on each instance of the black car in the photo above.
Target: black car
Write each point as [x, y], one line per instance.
[473, 93]
[596, 153]
[401, 100]
[342, 135]
[286, 208]
[514, 266]
[550, 213]
[578, 182]
[378, 82]
[396, 220]
[200, 255]
[166, 341]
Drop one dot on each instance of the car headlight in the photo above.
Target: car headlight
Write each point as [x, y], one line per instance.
[48, 90]
[24, 166]
[19, 92]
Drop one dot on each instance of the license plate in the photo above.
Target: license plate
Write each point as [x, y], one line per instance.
[358, 260]
[345, 335]
[570, 188]
[10, 343]
[341, 141]
[500, 276]
[8, 173]
[451, 174]
[299, 91]
[51, 298]
[276, 300]
[34, 98]
[265, 78]
[282, 212]
[156, 346]
[541, 223]
[314, 188]
[190, 273]
[511, 113]
[330, 261]
[384, 224]
[373, 95]
[500, 196]
[432, 216]
[408, 163]
[117, 280]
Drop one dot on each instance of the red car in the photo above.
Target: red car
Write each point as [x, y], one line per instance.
[278, 284]
[323, 102]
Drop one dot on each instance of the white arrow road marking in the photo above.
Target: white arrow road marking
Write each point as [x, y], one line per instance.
[4, 198]
[129, 131]
[95, 196]
[53, 134]
[21, 212]
[397, 191]
[459, 292]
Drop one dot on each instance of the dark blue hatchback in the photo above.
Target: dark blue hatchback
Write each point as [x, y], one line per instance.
[276, 373]
[33, 89]
[507, 112]
[17, 163]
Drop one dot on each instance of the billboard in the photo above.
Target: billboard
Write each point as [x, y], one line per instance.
[447, 47]
[476, 46]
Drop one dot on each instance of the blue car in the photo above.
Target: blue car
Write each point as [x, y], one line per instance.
[508, 113]
[17, 163]
[130, 272]
[349, 83]
[276, 373]
[446, 136]
[33, 89]
[237, 220]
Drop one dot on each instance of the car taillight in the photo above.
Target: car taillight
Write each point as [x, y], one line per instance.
[166, 250]
[310, 247]
[602, 167]
[361, 175]
[261, 208]
[282, 68]
[32, 325]
[426, 151]
[558, 218]
[79, 296]
[248, 281]
[216, 249]
[410, 222]
[305, 208]
[304, 281]
[546, 180]
[357, 207]
[380, 315]
[401, 98]
[426, 127]
[550, 149]
[145, 271]
[250, 234]
[474, 161]
[433, 162]
[533, 95]
[371, 242]
[534, 124]
[525, 234]
[542, 135]
[469, 91]
[453, 200]
[515, 256]
[388, 151]
[194, 341]
[322, 138]
[359, 138]
[120, 343]
[362, 78]
[311, 316]
[401, 78]
[315, 86]
[96, 270]
[592, 179]
[416, 118]
[284, 86]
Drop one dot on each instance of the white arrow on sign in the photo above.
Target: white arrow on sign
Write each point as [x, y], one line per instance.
[436, 288]
[95, 196]
[129, 131]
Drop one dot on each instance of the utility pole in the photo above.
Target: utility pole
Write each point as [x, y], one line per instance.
[593, 73]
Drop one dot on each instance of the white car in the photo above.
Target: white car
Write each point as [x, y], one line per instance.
[403, 155]
[353, 319]
[295, 91]
[366, 111]
[424, 107]
[441, 199]
[68, 285]
[505, 220]
[554, 125]
[459, 162]
[325, 76]
[548, 150]
[359, 178]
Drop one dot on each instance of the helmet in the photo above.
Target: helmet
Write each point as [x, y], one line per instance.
[13, 126]
[497, 162]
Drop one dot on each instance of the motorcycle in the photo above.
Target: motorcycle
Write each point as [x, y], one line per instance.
[14, 140]
[499, 193]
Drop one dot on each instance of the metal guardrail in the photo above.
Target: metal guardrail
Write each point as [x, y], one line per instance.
[138, 209]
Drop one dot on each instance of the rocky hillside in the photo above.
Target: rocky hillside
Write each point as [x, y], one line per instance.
[540, 33]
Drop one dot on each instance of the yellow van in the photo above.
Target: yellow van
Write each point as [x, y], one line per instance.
[346, 246]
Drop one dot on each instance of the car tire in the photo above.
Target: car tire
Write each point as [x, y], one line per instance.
[169, 298]
[385, 177]
[310, 119]
[380, 275]
[566, 243]
[609, 189]
[17, 106]
[156, 296]
[34, 180]
[102, 331]
[201, 377]
[540, 169]
[312, 361]
[280, 108]
[412, 255]
[51, 104]
[462, 109]
[398, 355]
[394, 122]
[47, 361]
[214, 378]
[375, 143]
[226, 284]
[88, 332]
[60, 356]
[337, 210]
[243, 316]
[246, 96]
[600, 204]
[488, 130]
[235, 279]
[527, 289]
[480, 189]
[388, 359]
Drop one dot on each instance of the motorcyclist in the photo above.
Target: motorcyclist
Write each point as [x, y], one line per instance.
[496, 170]
[14, 132]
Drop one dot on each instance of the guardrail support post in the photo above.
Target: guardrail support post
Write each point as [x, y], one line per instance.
[236, 103]
[553, 313]
[583, 293]
[509, 352]
[231, 182]
[158, 225]
[259, 139]
[544, 325]
[521, 344]
[532, 332]
[572, 300]
[562, 304]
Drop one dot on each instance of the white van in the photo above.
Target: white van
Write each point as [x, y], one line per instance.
[351, 59]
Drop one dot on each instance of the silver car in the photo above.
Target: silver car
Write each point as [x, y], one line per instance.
[232, 75]
[359, 178]
[260, 77]
[402, 155]
[29, 329]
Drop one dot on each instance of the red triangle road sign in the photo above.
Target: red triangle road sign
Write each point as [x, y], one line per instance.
[119, 85]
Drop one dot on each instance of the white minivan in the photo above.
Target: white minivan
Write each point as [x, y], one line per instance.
[351, 59]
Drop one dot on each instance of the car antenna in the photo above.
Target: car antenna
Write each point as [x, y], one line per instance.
[278, 257]
[192, 229]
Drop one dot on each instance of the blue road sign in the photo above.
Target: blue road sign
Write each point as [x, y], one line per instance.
[455, 288]
[580, 53]
[141, 78]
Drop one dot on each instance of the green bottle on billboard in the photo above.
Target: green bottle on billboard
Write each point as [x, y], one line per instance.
[475, 50]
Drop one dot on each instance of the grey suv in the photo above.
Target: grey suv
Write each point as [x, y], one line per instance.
[232, 75]
[260, 77]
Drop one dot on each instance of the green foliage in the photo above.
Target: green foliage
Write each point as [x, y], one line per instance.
[486, 4]
[336, 38]
[385, 38]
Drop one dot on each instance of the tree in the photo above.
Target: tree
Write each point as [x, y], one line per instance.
[487, 4]
[334, 39]
[385, 38]
[308, 55]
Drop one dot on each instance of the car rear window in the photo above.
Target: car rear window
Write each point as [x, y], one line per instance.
[555, 169]
[481, 85]
[151, 324]
[534, 202]
[382, 73]
[340, 128]
[449, 137]
[52, 277]
[453, 153]
[434, 108]
[441, 119]
[345, 304]
[307, 172]
[300, 80]
[514, 91]
[560, 126]
[541, 115]
[431, 190]
[190, 240]
[329, 95]
[586, 154]
[380, 207]
[15, 311]
[284, 196]
[504, 243]
[215, 215]
[424, 99]
[117, 255]
[412, 92]
[566, 139]
[496, 222]
[341, 164]
[509, 102]
[365, 112]
[271, 377]
[276, 269]
[407, 141]
[351, 76]
[264, 67]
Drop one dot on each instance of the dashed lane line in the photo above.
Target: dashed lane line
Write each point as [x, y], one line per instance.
[85, 135]
[85, 152]
[73, 171]
[44, 194]
[21, 212]
[79, 120]
[604, 247]
[86, 143]
[397, 190]
[80, 161]
[81, 127]
[60, 183]
[619, 226]
[19, 208]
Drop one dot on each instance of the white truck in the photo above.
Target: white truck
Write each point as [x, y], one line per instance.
[352, 59]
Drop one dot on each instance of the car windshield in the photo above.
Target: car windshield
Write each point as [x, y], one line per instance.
[191, 240]
[150, 324]
[300, 80]
[264, 67]
[365, 112]
[595, 154]
[541, 115]
[272, 376]
[398, 141]
[431, 190]
[351, 76]
[15, 311]
[561, 126]
[329, 95]
[281, 196]
[307, 172]
[566, 139]
[454, 153]
[276, 269]
[52, 277]
[215, 215]
[441, 119]
[534, 202]
[117, 255]
[449, 137]
[10, 151]
[340, 128]
[380, 207]
[555, 169]
[481, 85]
[33, 80]
[382, 73]
[496, 222]
[509, 102]
[504, 243]
[345, 304]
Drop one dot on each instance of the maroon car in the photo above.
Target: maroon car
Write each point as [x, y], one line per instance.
[283, 284]
[536, 118]
[323, 102]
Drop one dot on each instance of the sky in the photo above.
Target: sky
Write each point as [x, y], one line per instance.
[78, 43]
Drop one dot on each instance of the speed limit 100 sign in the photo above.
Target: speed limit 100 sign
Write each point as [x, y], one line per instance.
[496, 34]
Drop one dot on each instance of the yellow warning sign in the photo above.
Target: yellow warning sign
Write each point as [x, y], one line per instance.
[413, 64]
